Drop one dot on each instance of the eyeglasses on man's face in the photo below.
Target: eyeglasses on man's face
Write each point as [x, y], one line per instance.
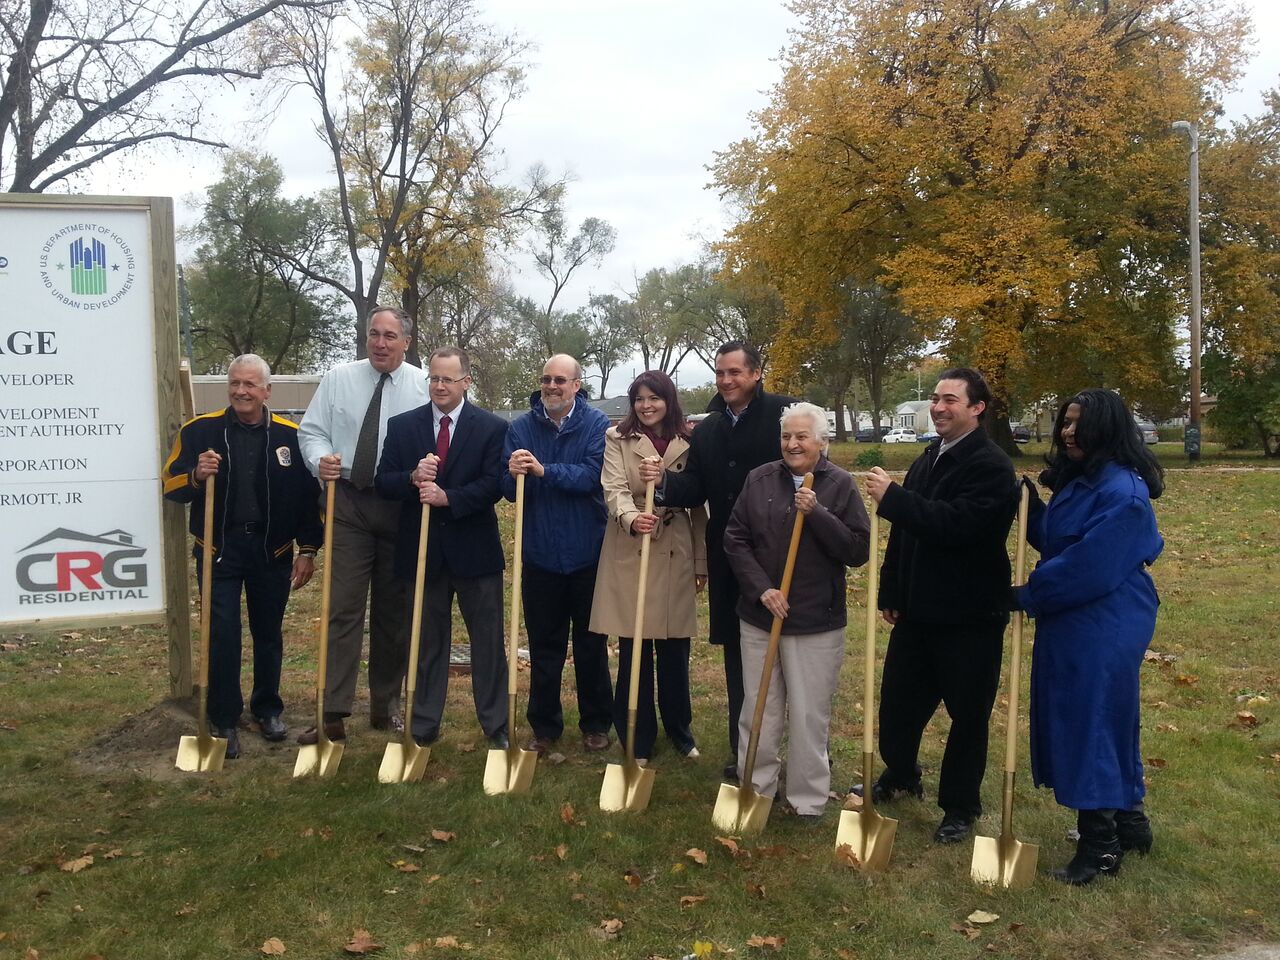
[445, 381]
[547, 381]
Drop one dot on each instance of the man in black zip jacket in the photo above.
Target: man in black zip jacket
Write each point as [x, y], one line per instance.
[740, 434]
[265, 499]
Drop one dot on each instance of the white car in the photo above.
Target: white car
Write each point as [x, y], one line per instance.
[900, 435]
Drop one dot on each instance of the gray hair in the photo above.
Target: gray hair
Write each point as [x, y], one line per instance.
[814, 413]
[406, 322]
[252, 360]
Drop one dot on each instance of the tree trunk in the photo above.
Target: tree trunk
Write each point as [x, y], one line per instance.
[837, 404]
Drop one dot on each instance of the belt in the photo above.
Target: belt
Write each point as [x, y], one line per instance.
[250, 529]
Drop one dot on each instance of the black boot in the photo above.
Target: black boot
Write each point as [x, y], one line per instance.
[1097, 851]
[1133, 829]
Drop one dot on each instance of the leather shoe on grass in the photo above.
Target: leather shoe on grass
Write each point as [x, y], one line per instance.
[333, 729]
[595, 742]
[499, 741]
[952, 829]
[272, 728]
[232, 737]
[395, 723]
[540, 745]
[883, 793]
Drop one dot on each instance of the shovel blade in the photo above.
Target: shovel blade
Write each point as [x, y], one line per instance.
[740, 810]
[626, 787]
[403, 763]
[201, 754]
[509, 771]
[318, 760]
[869, 836]
[1004, 862]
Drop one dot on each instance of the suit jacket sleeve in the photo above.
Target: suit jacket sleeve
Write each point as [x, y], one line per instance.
[978, 502]
[483, 487]
[178, 473]
[398, 461]
[685, 489]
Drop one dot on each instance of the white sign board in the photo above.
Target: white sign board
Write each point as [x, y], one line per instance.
[80, 508]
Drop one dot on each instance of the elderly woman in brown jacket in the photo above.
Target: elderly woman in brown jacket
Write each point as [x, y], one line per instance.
[836, 536]
[654, 428]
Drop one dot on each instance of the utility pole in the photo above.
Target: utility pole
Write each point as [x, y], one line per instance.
[1191, 437]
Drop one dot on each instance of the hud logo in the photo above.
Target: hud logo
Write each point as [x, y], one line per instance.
[87, 266]
[66, 565]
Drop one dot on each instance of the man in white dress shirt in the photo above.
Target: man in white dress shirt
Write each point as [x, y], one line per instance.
[341, 438]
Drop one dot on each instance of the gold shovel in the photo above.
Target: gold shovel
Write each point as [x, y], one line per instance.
[1003, 860]
[740, 810]
[627, 785]
[405, 761]
[322, 757]
[865, 832]
[202, 752]
[511, 770]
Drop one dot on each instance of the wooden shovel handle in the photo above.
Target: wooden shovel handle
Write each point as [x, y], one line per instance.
[637, 630]
[771, 652]
[1015, 640]
[415, 626]
[206, 603]
[869, 654]
[326, 586]
[517, 572]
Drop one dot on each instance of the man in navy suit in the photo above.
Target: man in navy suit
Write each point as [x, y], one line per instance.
[448, 454]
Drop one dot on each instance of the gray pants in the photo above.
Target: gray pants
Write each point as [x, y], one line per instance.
[480, 601]
[800, 691]
[364, 540]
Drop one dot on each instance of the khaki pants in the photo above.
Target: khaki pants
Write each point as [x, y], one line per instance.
[800, 693]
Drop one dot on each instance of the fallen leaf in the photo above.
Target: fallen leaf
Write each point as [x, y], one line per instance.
[433, 878]
[1186, 679]
[1015, 927]
[186, 910]
[412, 949]
[273, 947]
[562, 851]
[32, 954]
[1244, 720]
[413, 848]
[404, 867]
[609, 929]
[467, 747]
[633, 878]
[309, 832]
[1157, 763]
[966, 931]
[756, 890]
[729, 844]
[692, 900]
[326, 833]
[112, 854]
[76, 865]
[1166, 728]
[703, 948]
[442, 836]
[1152, 657]
[982, 916]
[449, 941]
[697, 856]
[555, 759]
[567, 813]
[361, 942]
[844, 954]
[846, 857]
[578, 897]
[771, 943]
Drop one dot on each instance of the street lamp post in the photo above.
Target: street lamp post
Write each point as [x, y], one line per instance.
[1191, 438]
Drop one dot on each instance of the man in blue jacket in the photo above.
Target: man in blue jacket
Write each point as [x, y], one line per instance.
[265, 499]
[559, 448]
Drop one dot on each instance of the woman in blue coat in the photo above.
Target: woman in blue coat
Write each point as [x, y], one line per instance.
[1095, 609]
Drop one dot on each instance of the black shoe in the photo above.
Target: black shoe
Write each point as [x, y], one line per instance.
[886, 793]
[1097, 852]
[499, 741]
[427, 740]
[393, 722]
[232, 737]
[953, 828]
[1133, 830]
[273, 728]
[730, 772]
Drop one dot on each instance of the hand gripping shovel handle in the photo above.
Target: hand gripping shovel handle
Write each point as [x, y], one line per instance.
[1015, 673]
[517, 577]
[415, 627]
[637, 631]
[771, 653]
[206, 607]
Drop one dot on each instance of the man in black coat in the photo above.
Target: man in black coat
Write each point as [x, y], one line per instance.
[740, 434]
[448, 453]
[944, 587]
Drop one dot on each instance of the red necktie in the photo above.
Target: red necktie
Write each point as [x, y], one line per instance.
[442, 439]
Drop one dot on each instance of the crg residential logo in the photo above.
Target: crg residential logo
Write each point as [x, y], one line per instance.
[67, 566]
[87, 266]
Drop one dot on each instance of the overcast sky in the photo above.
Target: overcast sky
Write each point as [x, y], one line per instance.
[631, 97]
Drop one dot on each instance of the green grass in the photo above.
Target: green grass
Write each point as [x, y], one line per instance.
[213, 865]
[899, 456]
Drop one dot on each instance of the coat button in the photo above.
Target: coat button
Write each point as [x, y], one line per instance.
[733, 463]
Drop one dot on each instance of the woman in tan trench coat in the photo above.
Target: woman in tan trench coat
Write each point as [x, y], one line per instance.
[653, 428]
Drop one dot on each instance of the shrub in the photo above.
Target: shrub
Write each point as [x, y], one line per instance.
[872, 457]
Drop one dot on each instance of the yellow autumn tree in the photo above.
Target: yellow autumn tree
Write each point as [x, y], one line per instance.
[1005, 166]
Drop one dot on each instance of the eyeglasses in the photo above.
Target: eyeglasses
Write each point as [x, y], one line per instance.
[445, 381]
[547, 381]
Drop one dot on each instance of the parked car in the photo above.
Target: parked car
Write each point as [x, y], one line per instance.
[868, 435]
[926, 437]
[900, 435]
[1021, 433]
[1148, 430]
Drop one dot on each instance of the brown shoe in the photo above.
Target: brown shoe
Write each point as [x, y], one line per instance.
[540, 745]
[595, 742]
[333, 729]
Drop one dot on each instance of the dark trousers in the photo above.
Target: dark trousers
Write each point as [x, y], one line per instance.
[552, 603]
[733, 681]
[242, 563]
[673, 694]
[928, 664]
[480, 602]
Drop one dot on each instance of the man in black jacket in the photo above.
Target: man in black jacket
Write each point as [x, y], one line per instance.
[264, 500]
[740, 434]
[944, 587]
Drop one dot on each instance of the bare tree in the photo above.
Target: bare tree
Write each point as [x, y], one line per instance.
[85, 81]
